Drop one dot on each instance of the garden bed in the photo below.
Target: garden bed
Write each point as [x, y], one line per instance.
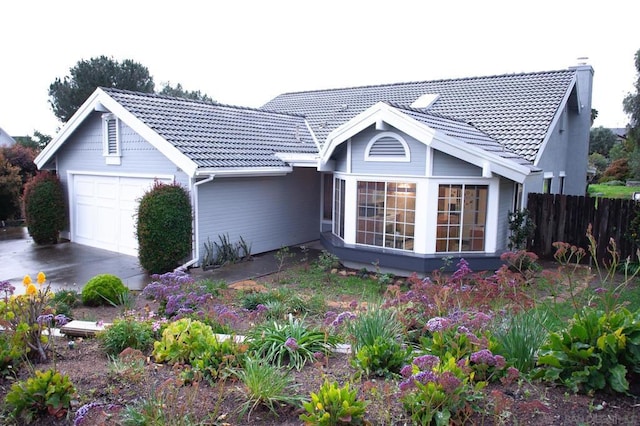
[114, 386]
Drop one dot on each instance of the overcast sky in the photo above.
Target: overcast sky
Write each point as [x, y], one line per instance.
[247, 52]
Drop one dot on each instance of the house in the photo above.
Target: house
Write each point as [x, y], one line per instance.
[397, 175]
[5, 139]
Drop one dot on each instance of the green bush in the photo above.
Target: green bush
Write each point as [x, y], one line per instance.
[44, 208]
[126, 333]
[103, 289]
[334, 406]
[48, 392]
[164, 228]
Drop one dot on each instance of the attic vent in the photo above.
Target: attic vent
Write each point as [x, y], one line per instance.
[111, 139]
[425, 101]
[387, 146]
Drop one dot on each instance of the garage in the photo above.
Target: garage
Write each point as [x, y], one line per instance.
[103, 211]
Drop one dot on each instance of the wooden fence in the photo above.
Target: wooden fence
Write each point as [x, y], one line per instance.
[567, 218]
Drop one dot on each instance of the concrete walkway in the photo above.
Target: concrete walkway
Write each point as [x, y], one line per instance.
[69, 265]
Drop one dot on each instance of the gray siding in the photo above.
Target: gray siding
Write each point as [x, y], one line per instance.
[340, 157]
[416, 167]
[82, 152]
[268, 212]
[505, 206]
[446, 165]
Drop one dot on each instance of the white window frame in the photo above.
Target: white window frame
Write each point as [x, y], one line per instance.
[391, 158]
[111, 158]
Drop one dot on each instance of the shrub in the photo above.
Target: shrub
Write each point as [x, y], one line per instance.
[617, 170]
[44, 208]
[383, 357]
[103, 289]
[48, 392]
[63, 301]
[519, 337]
[126, 333]
[10, 188]
[292, 343]
[334, 405]
[265, 385]
[164, 227]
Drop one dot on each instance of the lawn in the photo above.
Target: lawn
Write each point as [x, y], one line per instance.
[468, 348]
[612, 191]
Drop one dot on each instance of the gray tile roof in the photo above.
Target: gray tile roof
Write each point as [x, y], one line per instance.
[515, 110]
[460, 130]
[220, 136]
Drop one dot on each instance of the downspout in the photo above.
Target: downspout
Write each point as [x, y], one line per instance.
[195, 256]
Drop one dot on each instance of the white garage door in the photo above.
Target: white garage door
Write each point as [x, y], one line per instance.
[104, 209]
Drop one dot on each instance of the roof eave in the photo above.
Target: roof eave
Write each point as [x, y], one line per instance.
[244, 171]
[298, 160]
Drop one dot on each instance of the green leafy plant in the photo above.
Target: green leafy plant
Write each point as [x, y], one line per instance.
[371, 325]
[164, 227]
[103, 289]
[383, 357]
[44, 207]
[265, 385]
[63, 302]
[334, 405]
[125, 333]
[292, 343]
[225, 252]
[192, 342]
[47, 392]
[598, 350]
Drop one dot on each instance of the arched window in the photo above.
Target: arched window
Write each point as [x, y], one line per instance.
[387, 146]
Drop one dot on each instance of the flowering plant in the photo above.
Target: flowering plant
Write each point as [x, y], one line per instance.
[28, 316]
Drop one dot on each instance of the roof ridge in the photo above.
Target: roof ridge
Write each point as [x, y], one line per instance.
[485, 77]
[198, 101]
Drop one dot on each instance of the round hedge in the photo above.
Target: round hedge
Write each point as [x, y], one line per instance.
[103, 289]
[44, 208]
[164, 228]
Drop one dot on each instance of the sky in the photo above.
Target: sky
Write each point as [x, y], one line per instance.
[247, 52]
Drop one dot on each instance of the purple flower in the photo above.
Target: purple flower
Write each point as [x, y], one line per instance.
[260, 308]
[291, 344]
[501, 363]
[7, 288]
[407, 385]
[426, 362]
[45, 319]
[341, 318]
[449, 382]
[462, 271]
[483, 356]
[599, 290]
[425, 377]
[438, 324]
[406, 371]
[61, 320]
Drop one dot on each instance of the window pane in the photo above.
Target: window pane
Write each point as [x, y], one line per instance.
[462, 214]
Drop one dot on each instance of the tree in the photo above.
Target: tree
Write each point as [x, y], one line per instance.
[179, 92]
[631, 105]
[67, 95]
[22, 157]
[601, 140]
[594, 115]
[38, 141]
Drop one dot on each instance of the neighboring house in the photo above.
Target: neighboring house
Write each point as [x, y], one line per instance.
[398, 175]
[5, 139]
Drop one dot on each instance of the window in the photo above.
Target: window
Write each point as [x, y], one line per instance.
[462, 215]
[386, 214]
[338, 213]
[111, 138]
[546, 185]
[561, 190]
[387, 146]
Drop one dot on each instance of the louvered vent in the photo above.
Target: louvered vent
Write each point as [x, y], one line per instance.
[387, 146]
[112, 137]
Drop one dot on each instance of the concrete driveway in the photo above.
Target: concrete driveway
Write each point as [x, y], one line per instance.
[66, 265]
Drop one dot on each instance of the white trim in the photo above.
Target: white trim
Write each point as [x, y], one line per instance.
[111, 158]
[246, 172]
[349, 162]
[298, 160]
[548, 175]
[562, 174]
[194, 188]
[556, 117]
[99, 97]
[426, 135]
[398, 159]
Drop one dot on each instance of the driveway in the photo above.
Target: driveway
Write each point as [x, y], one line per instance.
[66, 265]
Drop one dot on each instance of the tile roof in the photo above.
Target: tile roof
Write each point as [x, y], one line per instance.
[515, 110]
[220, 136]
